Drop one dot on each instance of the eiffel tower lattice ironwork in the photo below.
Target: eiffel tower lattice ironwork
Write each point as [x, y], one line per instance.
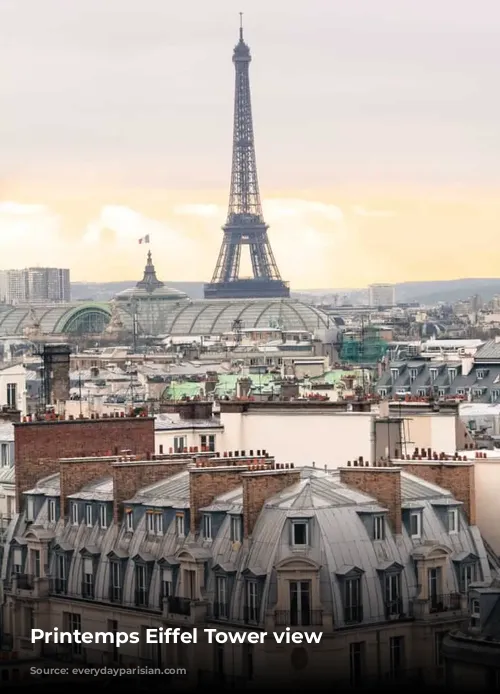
[245, 225]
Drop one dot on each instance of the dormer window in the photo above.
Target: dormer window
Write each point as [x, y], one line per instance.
[129, 520]
[453, 521]
[103, 516]
[154, 520]
[88, 578]
[30, 510]
[415, 524]
[300, 532]
[433, 374]
[179, 525]
[378, 528]
[394, 374]
[74, 513]
[207, 527]
[88, 515]
[235, 529]
[452, 374]
[413, 375]
[480, 373]
[52, 511]
[17, 560]
[468, 574]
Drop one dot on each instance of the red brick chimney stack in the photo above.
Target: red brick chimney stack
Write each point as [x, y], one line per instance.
[261, 485]
[383, 483]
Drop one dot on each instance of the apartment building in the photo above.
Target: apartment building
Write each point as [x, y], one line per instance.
[378, 559]
[35, 285]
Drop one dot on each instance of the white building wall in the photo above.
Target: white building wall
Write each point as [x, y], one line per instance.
[165, 438]
[300, 437]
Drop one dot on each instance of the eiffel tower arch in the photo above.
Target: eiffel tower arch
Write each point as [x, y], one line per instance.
[245, 225]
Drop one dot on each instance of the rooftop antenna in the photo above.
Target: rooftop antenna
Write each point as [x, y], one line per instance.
[241, 26]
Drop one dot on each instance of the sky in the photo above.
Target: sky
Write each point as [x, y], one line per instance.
[376, 130]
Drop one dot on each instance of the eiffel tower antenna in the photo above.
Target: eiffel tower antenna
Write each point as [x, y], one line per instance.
[245, 225]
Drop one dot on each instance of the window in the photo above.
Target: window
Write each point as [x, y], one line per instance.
[378, 528]
[167, 584]
[160, 450]
[356, 662]
[103, 516]
[460, 391]
[396, 651]
[452, 374]
[413, 375]
[393, 606]
[475, 613]
[12, 395]
[179, 525]
[88, 578]
[452, 520]
[88, 515]
[60, 582]
[154, 521]
[235, 528]
[52, 511]
[207, 527]
[434, 589]
[73, 622]
[4, 455]
[208, 442]
[353, 609]
[129, 521]
[222, 607]
[467, 576]
[35, 562]
[415, 524]
[17, 560]
[252, 603]
[74, 513]
[421, 392]
[480, 374]
[115, 593]
[433, 374]
[30, 510]
[382, 392]
[179, 444]
[141, 585]
[300, 533]
[300, 603]
[394, 375]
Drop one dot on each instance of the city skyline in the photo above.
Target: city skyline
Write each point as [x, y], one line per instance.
[378, 158]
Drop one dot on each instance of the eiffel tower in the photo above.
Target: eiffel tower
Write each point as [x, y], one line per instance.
[245, 225]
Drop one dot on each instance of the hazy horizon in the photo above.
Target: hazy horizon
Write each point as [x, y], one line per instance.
[376, 128]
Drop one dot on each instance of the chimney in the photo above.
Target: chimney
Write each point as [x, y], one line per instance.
[258, 487]
[206, 483]
[457, 477]
[75, 474]
[130, 476]
[383, 483]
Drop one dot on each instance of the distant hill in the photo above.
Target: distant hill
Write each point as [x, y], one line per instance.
[423, 292]
[448, 291]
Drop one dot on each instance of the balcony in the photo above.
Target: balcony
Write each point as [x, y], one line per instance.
[444, 603]
[180, 606]
[394, 610]
[449, 605]
[291, 618]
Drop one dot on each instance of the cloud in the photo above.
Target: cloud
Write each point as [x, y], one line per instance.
[362, 212]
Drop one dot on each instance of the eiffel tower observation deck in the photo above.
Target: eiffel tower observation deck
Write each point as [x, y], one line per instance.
[245, 225]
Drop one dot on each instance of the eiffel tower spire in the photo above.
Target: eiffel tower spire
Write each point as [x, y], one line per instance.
[245, 225]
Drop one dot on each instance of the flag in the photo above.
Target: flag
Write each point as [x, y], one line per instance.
[145, 239]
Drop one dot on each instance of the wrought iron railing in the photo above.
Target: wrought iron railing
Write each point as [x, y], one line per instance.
[221, 610]
[179, 605]
[353, 614]
[444, 603]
